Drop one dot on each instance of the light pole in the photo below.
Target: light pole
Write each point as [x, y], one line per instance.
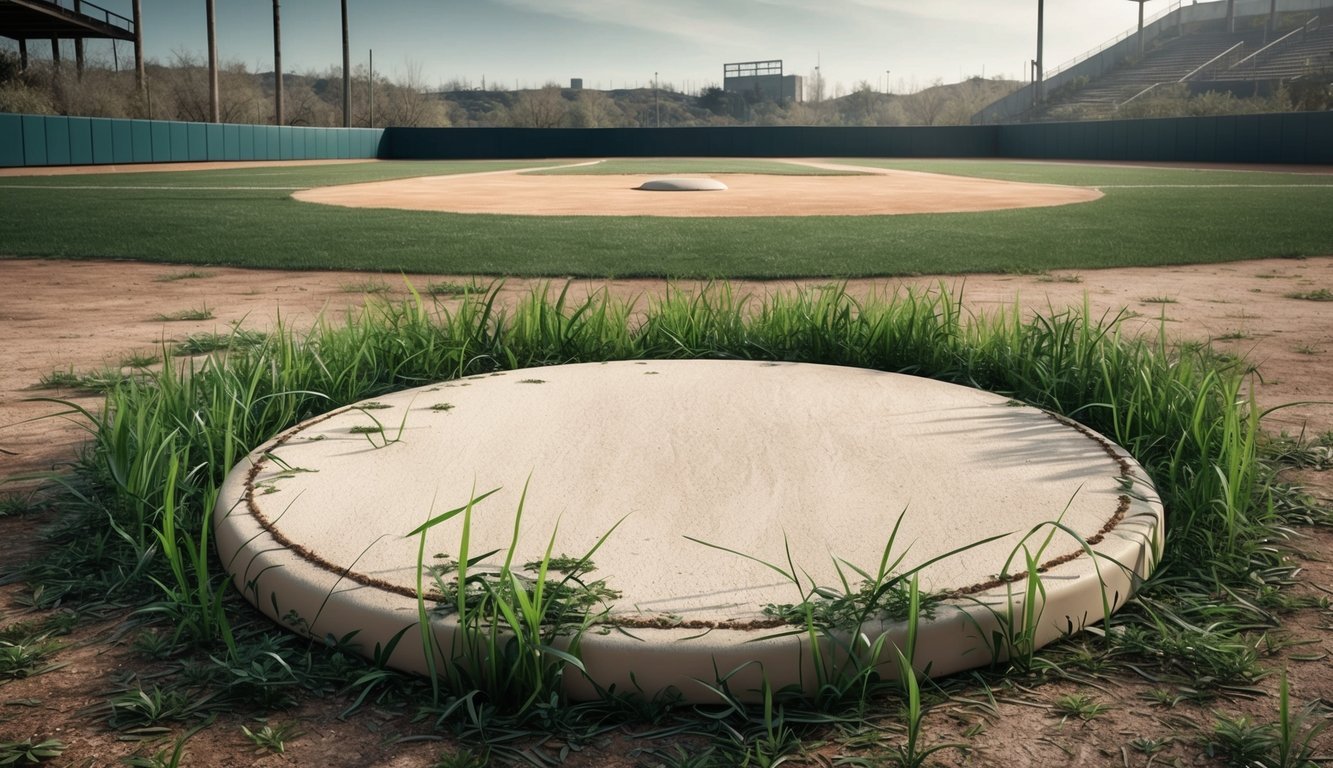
[347, 73]
[888, 89]
[657, 108]
[1038, 75]
[1140, 2]
[214, 105]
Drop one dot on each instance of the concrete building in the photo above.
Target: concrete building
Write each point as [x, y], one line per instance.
[764, 79]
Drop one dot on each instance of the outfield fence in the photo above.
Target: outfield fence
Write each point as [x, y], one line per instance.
[1304, 138]
[44, 140]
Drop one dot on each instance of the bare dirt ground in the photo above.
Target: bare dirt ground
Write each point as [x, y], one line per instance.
[877, 192]
[60, 316]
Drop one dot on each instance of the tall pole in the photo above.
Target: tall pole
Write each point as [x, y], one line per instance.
[1231, 15]
[1039, 76]
[23, 54]
[656, 107]
[78, 43]
[1140, 28]
[277, 64]
[1272, 17]
[371, 122]
[214, 106]
[140, 76]
[347, 73]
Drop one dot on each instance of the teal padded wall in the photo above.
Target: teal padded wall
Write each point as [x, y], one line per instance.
[198, 142]
[141, 140]
[180, 142]
[103, 146]
[80, 141]
[161, 142]
[11, 140]
[57, 141]
[231, 142]
[216, 143]
[34, 140]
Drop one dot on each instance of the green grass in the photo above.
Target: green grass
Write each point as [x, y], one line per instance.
[184, 315]
[668, 165]
[1319, 294]
[136, 521]
[283, 179]
[1092, 174]
[1127, 227]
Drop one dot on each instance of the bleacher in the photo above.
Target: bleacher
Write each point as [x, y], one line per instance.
[1173, 60]
[1294, 54]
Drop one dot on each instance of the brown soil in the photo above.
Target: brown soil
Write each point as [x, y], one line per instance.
[876, 192]
[84, 315]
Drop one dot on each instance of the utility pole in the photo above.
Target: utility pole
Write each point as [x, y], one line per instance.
[347, 73]
[1039, 75]
[371, 122]
[277, 64]
[78, 44]
[656, 107]
[214, 105]
[139, 74]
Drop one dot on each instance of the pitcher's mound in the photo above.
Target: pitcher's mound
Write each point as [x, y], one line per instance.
[723, 489]
[682, 185]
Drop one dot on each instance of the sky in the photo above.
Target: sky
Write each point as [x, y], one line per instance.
[901, 45]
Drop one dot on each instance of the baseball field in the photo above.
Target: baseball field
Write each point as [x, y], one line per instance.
[158, 323]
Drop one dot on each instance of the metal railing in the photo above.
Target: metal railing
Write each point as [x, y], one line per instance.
[1156, 17]
[1302, 30]
[92, 11]
[1201, 68]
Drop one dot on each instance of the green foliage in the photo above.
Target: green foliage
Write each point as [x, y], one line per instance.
[30, 752]
[203, 313]
[1319, 294]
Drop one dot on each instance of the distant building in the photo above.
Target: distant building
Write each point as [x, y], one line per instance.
[576, 83]
[764, 79]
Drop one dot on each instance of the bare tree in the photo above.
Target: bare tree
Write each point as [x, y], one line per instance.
[544, 108]
[926, 106]
[594, 109]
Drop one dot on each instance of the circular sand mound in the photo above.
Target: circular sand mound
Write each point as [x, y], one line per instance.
[697, 473]
[875, 192]
[682, 185]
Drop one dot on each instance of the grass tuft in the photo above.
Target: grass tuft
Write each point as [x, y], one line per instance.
[1320, 294]
[184, 315]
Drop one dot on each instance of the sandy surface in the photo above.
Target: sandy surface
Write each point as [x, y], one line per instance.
[877, 192]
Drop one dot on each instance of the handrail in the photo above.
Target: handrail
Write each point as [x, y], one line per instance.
[1119, 38]
[83, 6]
[1140, 93]
[1302, 29]
[1211, 61]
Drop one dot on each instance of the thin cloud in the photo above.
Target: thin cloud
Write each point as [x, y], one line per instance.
[691, 21]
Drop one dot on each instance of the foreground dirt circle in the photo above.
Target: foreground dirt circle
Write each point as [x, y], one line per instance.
[679, 462]
[875, 192]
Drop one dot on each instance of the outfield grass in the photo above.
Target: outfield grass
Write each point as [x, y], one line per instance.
[691, 165]
[1092, 175]
[279, 177]
[1180, 217]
